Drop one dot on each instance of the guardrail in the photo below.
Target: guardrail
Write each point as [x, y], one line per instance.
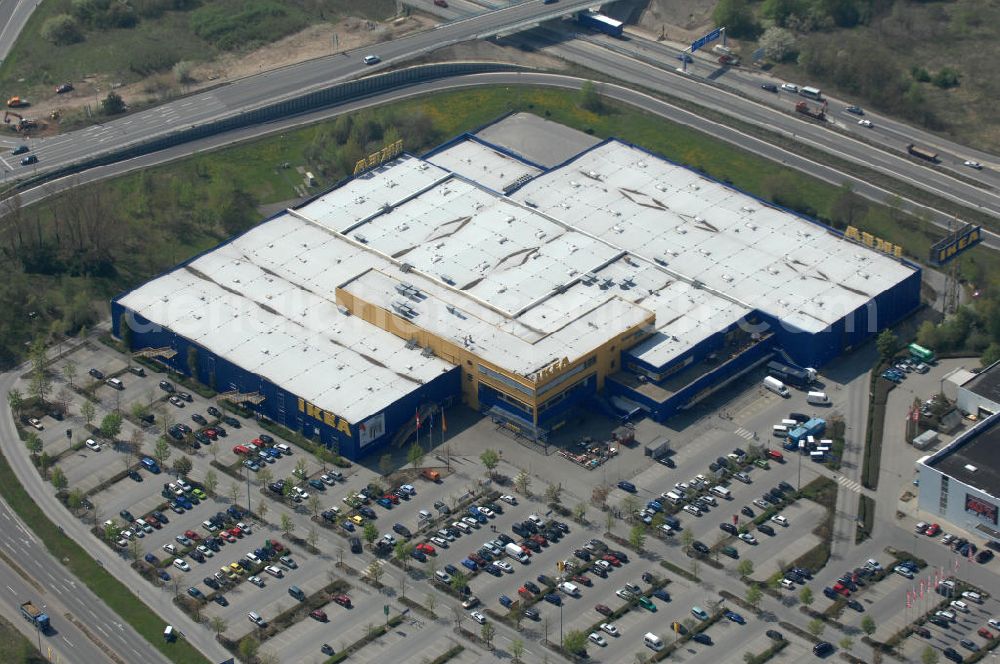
[311, 101]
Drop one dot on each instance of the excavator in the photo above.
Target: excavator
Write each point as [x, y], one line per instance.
[23, 124]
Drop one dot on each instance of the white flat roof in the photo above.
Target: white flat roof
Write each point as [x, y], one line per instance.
[700, 230]
[266, 302]
[483, 164]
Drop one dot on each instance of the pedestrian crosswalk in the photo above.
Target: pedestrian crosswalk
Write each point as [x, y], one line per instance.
[850, 485]
[745, 433]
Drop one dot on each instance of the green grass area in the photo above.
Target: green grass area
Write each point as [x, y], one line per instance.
[81, 565]
[15, 648]
[161, 37]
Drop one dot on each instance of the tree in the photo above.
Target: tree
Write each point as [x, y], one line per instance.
[113, 104]
[516, 650]
[430, 602]
[629, 506]
[737, 18]
[846, 643]
[161, 451]
[402, 552]
[40, 385]
[490, 459]
[580, 512]
[929, 655]
[868, 625]
[218, 624]
[816, 627]
[486, 633]
[415, 455]
[589, 99]
[375, 571]
[312, 537]
[287, 525]
[313, 504]
[553, 492]
[778, 43]
[61, 30]
[754, 595]
[111, 426]
[136, 441]
[806, 596]
[523, 483]
[322, 455]
[637, 537]
[74, 499]
[459, 581]
[233, 492]
[264, 475]
[262, 509]
[385, 464]
[211, 481]
[369, 533]
[745, 568]
[687, 539]
[248, 648]
[69, 371]
[88, 411]
[887, 344]
[183, 465]
[16, 402]
[58, 478]
[574, 641]
[300, 468]
[33, 443]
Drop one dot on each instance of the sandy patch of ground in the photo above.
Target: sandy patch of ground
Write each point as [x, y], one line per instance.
[313, 42]
[483, 50]
[678, 20]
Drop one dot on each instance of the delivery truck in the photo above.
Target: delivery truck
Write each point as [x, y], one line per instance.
[35, 616]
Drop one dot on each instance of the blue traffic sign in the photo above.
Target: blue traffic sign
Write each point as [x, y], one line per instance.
[701, 41]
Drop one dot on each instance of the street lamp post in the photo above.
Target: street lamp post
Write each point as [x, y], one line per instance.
[560, 625]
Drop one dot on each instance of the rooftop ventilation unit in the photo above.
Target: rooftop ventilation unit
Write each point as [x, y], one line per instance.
[641, 164]
[427, 352]
[403, 227]
[344, 310]
[405, 267]
[752, 227]
[608, 282]
[403, 309]
[748, 209]
[361, 238]
[403, 288]
[727, 278]
[594, 175]
[969, 467]
[422, 166]
[360, 200]
[574, 184]
[448, 280]
[452, 309]
[411, 344]
[629, 280]
[588, 278]
[386, 207]
[531, 204]
[661, 261]
[509, 218]
[773, 270]
[618, 229]
[661, 187]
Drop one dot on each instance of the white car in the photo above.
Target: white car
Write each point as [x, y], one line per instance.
[440, 541]
[181, 565]
[257, 581]
[748, 538]
[93, 444]
[469, 521]
[535, 519]
[326, 479]
[604, 564]
[245, 528]
[598, 639]
[780, 520]
[443, 576]
[389, 539]
[683, 486]
[170, 548]
[510, 500]
[274, 571]
[142, 525]
[760, 503]
[743, 477]
[666, 530]
[625, 594]
[789, 87]
[205, 551]
[994, 623]
[478, 617]
[903, 571]
[408, 489]
[866, 123]
[34, 421]
[445, 535]
[487, 512]
[610, 629]
[948, 615]
[788, 584]
[691, 509]
[973, 164]
[948, 538]
[299, 492]
[959, 605]
[371, 59]
[505, 566]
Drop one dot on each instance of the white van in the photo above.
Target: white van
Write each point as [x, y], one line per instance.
[773, 384]
[722, 492]
[169, 634]
[116, 383]
[674, 498]
[653, 641]
[817, 398]
[464, 527]
[283, 448]
[569, 588]
[779, 430]
[789, 423]
[517, 553]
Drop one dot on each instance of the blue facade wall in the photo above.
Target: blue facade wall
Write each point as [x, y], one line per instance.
[285, 407]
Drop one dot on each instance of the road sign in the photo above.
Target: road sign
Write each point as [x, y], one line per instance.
[385, 609]
[701, 41]
[950, 247]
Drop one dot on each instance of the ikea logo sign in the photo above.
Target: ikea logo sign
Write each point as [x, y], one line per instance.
[326, 417]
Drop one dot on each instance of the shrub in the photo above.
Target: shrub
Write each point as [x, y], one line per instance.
[245, 26]
[946, 78]
[113, 104]
[61, 30]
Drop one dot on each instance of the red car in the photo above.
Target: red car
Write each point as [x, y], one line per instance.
[241, 449]
[228, 536]
[932, 530]
[236, 532]
[258, 443]
[441, 3]
[318, 614]
[603, 610]
[539, 540]
[343, 600]
[525, 593]
[842, 589]
[985, 633]
[190, 534]
[424, 547]
[583, 580]
[211, 433]
[611, 559]
[776, 455]
[392, 497]
[276, 545]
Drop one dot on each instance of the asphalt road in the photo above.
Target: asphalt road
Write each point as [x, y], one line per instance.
[79, 599]
[13, 15]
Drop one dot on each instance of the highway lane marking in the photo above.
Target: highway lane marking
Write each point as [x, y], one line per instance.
[100, 629]
[11, 590]
[68, 642]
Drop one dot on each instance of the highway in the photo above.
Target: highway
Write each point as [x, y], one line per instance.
[13, 15]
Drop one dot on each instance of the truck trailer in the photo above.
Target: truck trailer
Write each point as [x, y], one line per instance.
[814, 427]
[791, 374]
[35, 616]
[922, 153]
[815, 112]
[601, 23]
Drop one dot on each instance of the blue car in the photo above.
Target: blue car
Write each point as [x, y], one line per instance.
[660, 593]
[505, 601]
[163, 575]
[151, 559]
[735, 617]
[553, 598]
[470, 564]
[234, 511]
[385, 502]
[348, 526]
[418, 555]
[451, 569]
[627, 486]
[655, 505]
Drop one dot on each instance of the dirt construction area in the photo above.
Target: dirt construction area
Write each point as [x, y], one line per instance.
[678, 20]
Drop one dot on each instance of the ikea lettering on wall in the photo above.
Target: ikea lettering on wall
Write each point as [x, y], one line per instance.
[339, 423]
[390, 151]
[869, 240]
